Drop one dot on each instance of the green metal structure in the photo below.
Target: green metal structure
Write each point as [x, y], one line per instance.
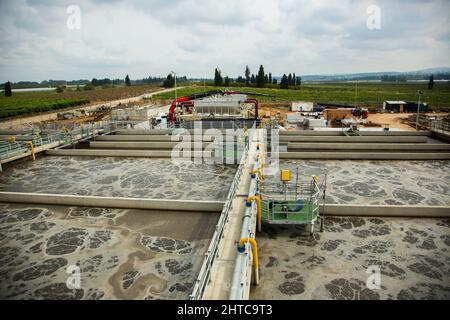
[293, 203]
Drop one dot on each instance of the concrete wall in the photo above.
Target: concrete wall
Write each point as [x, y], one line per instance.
[110, 202]
[141, 145]
[386, 211]
[355, 139]
[144, 132]
[362, 133]
[368, 146]
[365, 155]
[129, 137]
[110, 153]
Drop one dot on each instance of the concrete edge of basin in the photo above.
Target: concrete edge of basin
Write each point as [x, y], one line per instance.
[112, 202]
[387, 211]
[366, 155]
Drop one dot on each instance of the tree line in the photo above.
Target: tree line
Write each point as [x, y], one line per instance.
[261, 79]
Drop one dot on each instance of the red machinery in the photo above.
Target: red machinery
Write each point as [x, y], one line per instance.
[187, 102]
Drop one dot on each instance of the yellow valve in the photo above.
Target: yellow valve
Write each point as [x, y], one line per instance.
[258, 208]
[254, 245]
[260, 173]
[11, 139]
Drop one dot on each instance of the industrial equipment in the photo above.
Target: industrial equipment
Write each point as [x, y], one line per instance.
[160, 121]
[212, 105]
[352, 130]
[295, 203]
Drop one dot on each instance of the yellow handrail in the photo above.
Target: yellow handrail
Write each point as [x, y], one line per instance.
[32, 149]
[315, 183]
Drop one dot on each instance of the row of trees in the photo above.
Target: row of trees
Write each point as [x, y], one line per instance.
[290, 80]
[260, 80]
[61, 85]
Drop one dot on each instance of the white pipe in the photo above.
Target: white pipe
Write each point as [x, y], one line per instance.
[242, 259]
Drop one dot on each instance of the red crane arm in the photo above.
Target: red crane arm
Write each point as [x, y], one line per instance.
[174, 104]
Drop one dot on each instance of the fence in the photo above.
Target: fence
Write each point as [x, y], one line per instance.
[62, 137]
[440, 126]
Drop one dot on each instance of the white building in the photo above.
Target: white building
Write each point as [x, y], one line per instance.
[302, 106]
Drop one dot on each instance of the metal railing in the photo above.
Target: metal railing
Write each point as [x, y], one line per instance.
[238, 290]
[61, 137]
[205, 271]
[440, 126]
[287, 196]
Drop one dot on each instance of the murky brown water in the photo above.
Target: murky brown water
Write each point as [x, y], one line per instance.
[119, 177]
[380, 182]
[122, 254]
[413, 255]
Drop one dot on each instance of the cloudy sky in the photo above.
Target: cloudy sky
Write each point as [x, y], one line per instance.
[192, 37]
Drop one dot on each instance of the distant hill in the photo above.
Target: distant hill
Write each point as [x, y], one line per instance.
[442, 73]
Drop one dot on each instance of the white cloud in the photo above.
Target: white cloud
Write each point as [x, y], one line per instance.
[192, 37]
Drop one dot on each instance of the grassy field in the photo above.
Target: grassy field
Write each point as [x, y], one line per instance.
[369, 94]
[16, 106]
[25, 103]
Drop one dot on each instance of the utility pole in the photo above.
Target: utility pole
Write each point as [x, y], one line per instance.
[175, 76]
[419, 93]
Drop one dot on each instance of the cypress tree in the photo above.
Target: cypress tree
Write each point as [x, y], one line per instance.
[8, 90]
[431, 83]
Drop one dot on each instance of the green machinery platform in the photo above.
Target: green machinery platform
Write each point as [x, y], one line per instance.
[307, 214]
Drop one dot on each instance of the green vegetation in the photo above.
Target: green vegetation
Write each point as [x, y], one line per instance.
[218, 80]
[169, 82]
[16, 105]
[369, 94]
[431, 83]
[8, 92]
[261, 80]
[24, 103]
